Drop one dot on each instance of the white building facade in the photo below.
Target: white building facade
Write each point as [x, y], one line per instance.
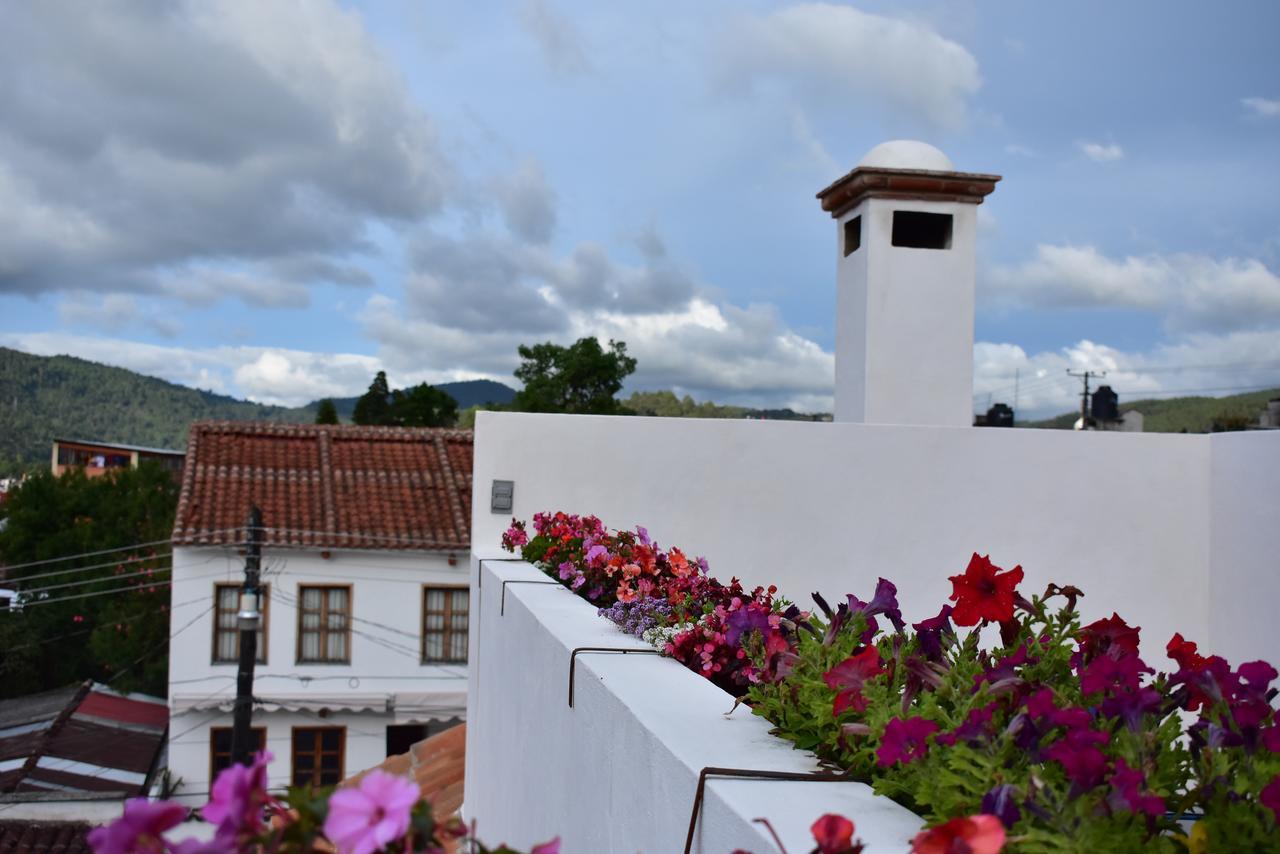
[363, 644]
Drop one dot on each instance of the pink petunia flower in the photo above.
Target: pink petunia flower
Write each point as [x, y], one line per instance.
[552, 847]
[141, 828]
[366, 819]
[905, 740]
[238, 795]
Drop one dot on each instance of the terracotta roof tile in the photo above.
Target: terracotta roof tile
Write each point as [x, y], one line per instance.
[323, 486]
[44, 837]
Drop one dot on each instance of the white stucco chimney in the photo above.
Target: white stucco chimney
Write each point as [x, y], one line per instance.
[905, 230]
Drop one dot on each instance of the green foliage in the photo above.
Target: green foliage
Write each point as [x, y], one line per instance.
[120, 637]
[326, 412]
[666, 405]
[582, 378]
[1182, 414]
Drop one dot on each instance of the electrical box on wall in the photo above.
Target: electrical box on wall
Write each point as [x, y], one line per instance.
[502, 497]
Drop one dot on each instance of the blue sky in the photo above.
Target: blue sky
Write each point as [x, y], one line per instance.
[277, 200]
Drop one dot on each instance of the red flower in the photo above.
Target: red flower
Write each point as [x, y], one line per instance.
[979, 834]
[833, 833]
[1112, 637]
[1185, 653]
[984, 592]
[848, 677]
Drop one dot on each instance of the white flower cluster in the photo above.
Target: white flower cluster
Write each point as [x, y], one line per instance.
[659, 637]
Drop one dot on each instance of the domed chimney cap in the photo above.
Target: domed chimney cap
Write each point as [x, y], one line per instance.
[907, 154]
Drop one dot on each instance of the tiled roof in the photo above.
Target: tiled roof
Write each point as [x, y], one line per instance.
[324, 486]
[95, 741]
[40, 837]
[437, 764]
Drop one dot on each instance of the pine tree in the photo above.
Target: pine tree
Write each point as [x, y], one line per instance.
[374, 406]
[326, 412]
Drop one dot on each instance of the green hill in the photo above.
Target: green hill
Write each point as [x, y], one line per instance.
[1183, 414]
[48, 397]
[43, 398]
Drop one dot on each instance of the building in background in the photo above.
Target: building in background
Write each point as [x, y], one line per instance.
[98, 458]
[75, 754]
[363, 646]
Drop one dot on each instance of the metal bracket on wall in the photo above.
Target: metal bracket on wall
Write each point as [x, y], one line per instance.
[751, 774]
[502, 606]
[573, 657]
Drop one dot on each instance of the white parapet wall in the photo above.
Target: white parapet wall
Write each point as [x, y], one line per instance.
[618, 771]
[1177, 533]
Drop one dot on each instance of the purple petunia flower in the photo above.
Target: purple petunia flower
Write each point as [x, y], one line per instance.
[885, 601]
[367, 819]
[141, 828]
[930, 632]
[643, 534]
[1126, 792]
[238, 795]
[1002, 803]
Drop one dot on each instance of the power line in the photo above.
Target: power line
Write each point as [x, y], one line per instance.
[156, 584]
[87, 568]
[85, 554]
[34, 590]
[91, 629]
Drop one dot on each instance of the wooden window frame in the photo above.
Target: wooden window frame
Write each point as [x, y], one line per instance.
[293, 755]
[266, 626]
[447, 631]
[324, 611]
[213, 755]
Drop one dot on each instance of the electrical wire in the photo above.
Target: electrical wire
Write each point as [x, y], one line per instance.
[91, 566]
[91, 629]
[25, 605]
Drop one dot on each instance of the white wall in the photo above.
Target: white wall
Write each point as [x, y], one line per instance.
[618, 771]
[1244, 584]
[830, 507]
[385, 669]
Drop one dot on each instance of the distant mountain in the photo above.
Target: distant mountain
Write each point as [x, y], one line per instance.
[467, 393]
[43, 398]
[1182, 414]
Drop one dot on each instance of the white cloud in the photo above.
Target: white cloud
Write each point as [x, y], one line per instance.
[1190, 291]
[1200, 364]
[1101, 153]
[1019, 150]
[838, 54]
[1266, 108]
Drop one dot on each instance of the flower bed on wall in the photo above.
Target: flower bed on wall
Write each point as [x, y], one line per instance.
[1059, 738]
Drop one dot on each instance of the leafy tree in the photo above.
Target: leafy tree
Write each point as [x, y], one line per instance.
[374, 406]
[581, 378]
[326, 412]
[422, 406]
[121, 637]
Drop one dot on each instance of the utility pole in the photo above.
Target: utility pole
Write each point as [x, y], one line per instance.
[1084, 396]
[248, 618]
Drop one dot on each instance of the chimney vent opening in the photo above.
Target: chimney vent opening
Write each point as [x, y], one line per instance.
[852, 235]
[919, 230]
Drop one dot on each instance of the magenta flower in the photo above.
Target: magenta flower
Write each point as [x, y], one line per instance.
[238, 795]
[1080, 757]
[141, 828]
[848, 677]
[1126, 792]
[1269, 797]
[905, 740]
[366, 819]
